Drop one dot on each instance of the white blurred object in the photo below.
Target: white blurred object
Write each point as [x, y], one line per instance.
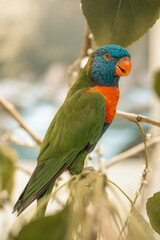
[83, 62]
[154, 47]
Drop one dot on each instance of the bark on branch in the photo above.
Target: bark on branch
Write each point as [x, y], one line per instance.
[131, 152]
[139, 118]
[13, 112]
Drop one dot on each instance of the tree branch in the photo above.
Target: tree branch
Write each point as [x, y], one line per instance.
[8, 137]
[143, 179]
[87, 42]
[13, 112]
[131, 152]
[129, 116]
[137, 118]
[20, 168]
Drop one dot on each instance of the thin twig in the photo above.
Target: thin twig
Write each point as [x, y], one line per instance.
[99, 156]
[87, 42]
[145, 171]
[137, 118]
[13, 112]
[71, 72]
[74, 69]
[131, 152]
[9, 137]
[18, 167]
[143, 180]
[108, 180]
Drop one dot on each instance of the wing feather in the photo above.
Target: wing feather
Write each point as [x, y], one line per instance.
[78, 122]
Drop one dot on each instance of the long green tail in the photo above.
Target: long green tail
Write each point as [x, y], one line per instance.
[41, 212]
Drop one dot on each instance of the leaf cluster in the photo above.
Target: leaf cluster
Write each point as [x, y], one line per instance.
[90, 213]
[8, 159]
[120, 22]
[156, 83]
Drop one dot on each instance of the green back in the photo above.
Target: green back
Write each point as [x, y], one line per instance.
[79, 121]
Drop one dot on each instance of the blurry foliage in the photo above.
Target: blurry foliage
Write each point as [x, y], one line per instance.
[34, 34]
[52, 227]
[89, 214]
[17, 22]
[120, 22]
[153, 211]
[136, 227]
[156, 83]
[8, 159]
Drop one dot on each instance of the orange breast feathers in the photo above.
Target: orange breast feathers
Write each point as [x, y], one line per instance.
[111, 95]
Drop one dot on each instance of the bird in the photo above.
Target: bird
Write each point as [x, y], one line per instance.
[87, 112]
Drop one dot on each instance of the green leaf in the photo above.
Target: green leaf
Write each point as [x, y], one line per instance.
[8, 159]
[48, 228]
[156, 85]
[153, 211]
[120, 22]
[139, 228]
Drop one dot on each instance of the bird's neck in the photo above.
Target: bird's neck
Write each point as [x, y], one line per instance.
[107, 79]
[83, 82]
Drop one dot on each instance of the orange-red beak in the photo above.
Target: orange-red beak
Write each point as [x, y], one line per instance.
[123, 67]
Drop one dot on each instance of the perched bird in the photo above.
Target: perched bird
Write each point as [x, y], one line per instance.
[85, 115]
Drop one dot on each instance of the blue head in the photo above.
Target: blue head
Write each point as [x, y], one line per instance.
[108, 64]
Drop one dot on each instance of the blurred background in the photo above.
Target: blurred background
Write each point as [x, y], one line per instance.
[38, 41]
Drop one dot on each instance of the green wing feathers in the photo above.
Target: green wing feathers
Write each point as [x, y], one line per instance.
[78, 122]
[43, 176]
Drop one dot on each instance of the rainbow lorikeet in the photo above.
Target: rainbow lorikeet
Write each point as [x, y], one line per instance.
[85, 115]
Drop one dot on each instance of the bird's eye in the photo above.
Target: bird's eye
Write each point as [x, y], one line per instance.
[106, 56]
